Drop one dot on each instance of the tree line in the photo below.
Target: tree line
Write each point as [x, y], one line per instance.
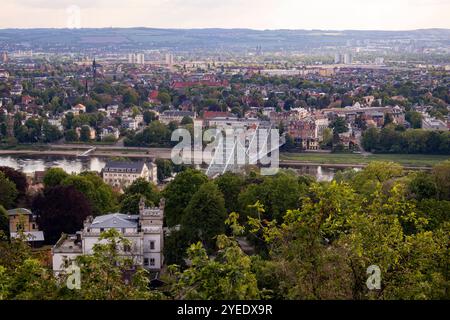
[392, 139]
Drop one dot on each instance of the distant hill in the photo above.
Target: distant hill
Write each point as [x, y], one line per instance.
[209, 39]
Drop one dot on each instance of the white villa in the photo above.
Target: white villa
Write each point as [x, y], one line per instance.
[144, 231]
[123, 174]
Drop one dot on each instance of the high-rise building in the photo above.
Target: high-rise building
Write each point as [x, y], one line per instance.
[136, 58]
[169, 59]
[348, 58]
[337, 58]
[5, 57]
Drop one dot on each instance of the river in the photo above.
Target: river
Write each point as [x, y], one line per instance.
[29, 165]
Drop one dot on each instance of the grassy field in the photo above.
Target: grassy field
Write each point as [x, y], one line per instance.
[333, 158]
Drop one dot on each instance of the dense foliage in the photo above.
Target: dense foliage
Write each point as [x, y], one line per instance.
[283, 237]
[392, 140]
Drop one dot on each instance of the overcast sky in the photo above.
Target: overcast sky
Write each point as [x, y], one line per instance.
[255, 14]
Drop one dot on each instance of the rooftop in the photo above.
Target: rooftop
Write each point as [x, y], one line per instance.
[19, 211]
[30, 236]
[115, 220]
[132, 166]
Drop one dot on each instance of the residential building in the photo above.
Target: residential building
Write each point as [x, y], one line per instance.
[144, 232]
[110, 132]
[79, 108]
[130, 123]
[174, 115]
[23, 220]
[92, 132]
[123, 174]
[430, 123]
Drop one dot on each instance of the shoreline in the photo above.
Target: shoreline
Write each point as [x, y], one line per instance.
[164, 153]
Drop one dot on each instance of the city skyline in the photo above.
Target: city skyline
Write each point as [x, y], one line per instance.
[252, 14]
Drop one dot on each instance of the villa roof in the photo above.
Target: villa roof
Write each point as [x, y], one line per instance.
[115, 220]
[137, 166]
[19, 211]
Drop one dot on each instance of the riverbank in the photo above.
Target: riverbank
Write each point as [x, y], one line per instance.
[361, 160]
[334, 160]
[78, 150]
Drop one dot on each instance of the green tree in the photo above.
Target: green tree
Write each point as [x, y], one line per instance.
[230, 185]
[339, 125]
[227, 277]
[149, 116]
[100, 195]
[54, 177]
[8, 192]
[204, 217]
[179, 193]
[85, 134]
[414, 118]
[165, 168]
[4, 221]
[421, 185]
[278, 194]
[186, 120]
[135, 192]
[441, 173]
[164, 97]
[370, 139]
[51, 133]
[71, 135]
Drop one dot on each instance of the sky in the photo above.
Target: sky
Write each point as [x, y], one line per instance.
[253, 14]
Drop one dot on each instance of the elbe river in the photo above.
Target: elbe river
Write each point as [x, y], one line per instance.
[29, 165]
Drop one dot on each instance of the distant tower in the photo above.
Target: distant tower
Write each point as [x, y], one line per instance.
[94, 70]
[85, 87]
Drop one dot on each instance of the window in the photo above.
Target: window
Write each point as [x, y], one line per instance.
[146, 262]
[65, 262]
[152, 245]
[126, 248]
[152, 262]
[102, 230]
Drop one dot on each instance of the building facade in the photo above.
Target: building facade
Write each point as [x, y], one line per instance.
[23, 220]
[144, 232]
[123, 174]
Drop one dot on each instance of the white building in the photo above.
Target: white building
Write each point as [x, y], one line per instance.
[79, 108]
[136, 58]
[144, 232]
[110, 132]
[429, 123]
[123, 174]
[348, 58]
[130, 123]
[169, 116]
[169, 59]
[321, 125]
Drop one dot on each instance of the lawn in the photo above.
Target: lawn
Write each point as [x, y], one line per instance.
[343, 158]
